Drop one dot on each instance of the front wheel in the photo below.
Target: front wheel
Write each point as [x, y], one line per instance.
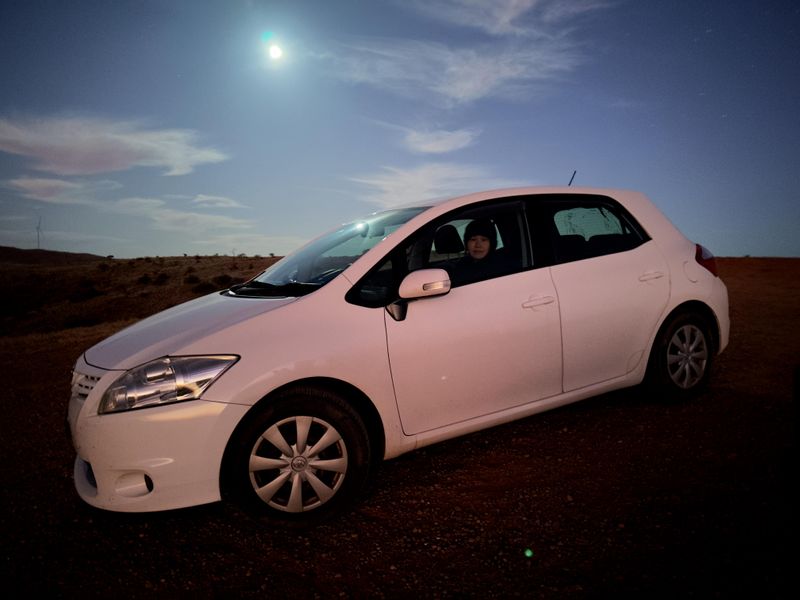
[303, 458]
[681, 358]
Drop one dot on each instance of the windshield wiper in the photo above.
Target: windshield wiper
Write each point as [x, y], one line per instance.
[263, 289]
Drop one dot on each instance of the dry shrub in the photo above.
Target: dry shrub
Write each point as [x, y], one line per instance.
[48, 292]
[204, 287]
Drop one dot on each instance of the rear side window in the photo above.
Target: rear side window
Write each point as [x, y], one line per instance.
[587, 222]
[583, 227]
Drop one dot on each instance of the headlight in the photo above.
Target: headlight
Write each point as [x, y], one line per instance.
[165, 380]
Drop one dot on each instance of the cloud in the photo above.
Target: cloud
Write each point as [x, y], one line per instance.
[84, 146]
[138, 207]
[56, 191]
[434, 141]
[534, 43]
[59, 191]
[395, 187]
[505, 17]
[495, 17]
[439, 141]
[168, 219]
[164, 218]
[451, 77]
[562, 10]
[216, 202]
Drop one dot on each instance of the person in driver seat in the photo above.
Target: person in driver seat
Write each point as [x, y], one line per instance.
[479, 260]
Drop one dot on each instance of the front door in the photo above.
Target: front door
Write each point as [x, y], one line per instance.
[480, 349]
[492, 343]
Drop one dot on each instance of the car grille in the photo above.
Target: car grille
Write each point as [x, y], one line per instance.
[82, 385]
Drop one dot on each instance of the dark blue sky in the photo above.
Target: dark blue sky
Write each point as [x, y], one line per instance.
[162, 127]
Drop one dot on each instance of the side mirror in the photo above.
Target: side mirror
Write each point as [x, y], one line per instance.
[419, 284]
[424, 283]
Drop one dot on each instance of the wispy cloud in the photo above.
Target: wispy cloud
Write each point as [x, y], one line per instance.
[495, 17]
[84, 146]
[162, 216]
[434, 141]
[451, 77]
[534, 43]
[558, 11]
[169, 219]
[165, 218]
[59, 191]
[439, 141]
[505, 17]
[55, 191]
[394, 187]
[216, 202]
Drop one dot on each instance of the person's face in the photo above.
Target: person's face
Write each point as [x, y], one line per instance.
[478, 246]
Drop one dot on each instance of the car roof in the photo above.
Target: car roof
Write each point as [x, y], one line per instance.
[529, 191]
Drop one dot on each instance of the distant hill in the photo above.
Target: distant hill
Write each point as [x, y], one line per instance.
[47, 291]
[39, 257]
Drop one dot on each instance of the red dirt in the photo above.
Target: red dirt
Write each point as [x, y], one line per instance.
[617, 495]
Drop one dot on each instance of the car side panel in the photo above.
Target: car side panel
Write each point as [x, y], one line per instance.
[482, 348]
[610, 307]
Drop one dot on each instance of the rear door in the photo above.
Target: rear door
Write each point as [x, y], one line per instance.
[612, 284]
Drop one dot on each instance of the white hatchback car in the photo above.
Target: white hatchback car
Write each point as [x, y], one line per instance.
[406, 328]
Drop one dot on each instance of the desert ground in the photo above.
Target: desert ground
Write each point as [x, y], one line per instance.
[617, 496]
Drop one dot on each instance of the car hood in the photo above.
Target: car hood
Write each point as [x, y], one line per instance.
[167, 332]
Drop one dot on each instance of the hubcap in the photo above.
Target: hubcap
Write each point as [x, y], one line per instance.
[298, 464]
[687, 356]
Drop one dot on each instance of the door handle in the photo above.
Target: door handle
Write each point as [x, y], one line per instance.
[650, 275]
[535, 301]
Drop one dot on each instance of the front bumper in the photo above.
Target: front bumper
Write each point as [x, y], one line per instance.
[149, 459]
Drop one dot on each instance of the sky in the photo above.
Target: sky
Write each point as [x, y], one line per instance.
[167, 127]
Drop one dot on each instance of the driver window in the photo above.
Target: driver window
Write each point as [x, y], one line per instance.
[472, 245]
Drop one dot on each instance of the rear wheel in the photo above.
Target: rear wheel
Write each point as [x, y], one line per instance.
[303, 458]
[681, 358]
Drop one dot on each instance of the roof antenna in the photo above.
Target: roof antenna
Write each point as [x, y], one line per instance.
[572, 178]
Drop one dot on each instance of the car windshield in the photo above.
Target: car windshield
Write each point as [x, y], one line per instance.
[319, 261]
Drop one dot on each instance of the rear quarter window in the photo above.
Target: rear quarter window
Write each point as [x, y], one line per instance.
[579, 228]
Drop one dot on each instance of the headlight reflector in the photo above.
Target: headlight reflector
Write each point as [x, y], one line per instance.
[164, 380]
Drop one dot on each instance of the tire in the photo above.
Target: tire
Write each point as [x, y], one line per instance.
[680, 362]
[302, 459]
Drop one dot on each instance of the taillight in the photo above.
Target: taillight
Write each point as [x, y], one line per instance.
[705, 259]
